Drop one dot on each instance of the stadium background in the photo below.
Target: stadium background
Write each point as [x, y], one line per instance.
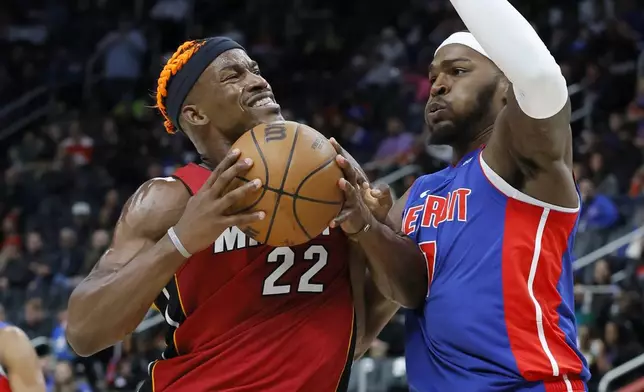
[78, 135]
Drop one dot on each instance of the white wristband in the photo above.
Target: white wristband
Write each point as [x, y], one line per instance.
[177, 243]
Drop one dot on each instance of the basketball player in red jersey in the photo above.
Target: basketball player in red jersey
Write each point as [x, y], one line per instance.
[243, 316]
[19, 367]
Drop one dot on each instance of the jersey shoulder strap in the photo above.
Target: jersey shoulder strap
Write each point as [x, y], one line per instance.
[193, 176]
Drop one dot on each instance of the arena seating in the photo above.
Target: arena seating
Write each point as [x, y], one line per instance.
[78, 135]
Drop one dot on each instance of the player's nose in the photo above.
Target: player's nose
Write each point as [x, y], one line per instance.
[257, 82]
[440, 86]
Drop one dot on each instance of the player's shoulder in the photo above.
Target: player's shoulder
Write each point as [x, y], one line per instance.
[11, 334]
[427, 181]
[157, 202]
[193, 176]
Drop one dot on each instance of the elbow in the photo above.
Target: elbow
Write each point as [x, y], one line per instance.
[79, 342]
[79, 332]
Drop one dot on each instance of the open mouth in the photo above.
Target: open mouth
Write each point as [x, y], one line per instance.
[262, 102]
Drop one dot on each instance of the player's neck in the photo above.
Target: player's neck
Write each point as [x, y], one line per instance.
[216, 149]
[476, 143]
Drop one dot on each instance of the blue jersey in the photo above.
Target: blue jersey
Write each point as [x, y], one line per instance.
[499, 312]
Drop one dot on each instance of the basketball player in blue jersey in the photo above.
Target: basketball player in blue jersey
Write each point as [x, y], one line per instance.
[491, 309]
[19, 367]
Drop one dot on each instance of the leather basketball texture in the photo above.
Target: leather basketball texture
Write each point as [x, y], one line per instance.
[299, 175]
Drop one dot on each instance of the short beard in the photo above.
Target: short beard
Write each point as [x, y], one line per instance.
[461, 131]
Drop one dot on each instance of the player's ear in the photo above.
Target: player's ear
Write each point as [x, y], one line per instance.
[502, 89]
[192, 115]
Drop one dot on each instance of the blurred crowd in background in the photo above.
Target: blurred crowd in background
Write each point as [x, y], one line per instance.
[78, 134]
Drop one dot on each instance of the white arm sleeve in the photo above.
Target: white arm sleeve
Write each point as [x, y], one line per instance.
[514, 46]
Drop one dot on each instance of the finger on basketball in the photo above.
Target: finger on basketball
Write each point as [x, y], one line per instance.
[244, 218]
[341, 218]
[336, 145]
[348, 189]
[239, 193]
[229, 174]
[348, 170]
[227, 162]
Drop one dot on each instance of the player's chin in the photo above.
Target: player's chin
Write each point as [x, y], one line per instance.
[442, 133]
[267, 116]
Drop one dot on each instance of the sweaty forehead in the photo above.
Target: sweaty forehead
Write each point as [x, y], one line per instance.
[229, 58]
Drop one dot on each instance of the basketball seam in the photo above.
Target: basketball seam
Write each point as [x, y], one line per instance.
[293, 195]
[296, 195]
[279, 194]
[266, 172]
[308, 176]
[261, 196]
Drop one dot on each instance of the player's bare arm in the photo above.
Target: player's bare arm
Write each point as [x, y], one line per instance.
[378, 312]
[19, 359]
[142, 258]
[531, 146]
[396, 264]
[373, 310]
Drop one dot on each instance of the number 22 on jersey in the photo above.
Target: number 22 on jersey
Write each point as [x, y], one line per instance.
[285, 258]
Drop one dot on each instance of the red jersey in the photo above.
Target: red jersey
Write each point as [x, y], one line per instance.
[4, 382]
[248, 317]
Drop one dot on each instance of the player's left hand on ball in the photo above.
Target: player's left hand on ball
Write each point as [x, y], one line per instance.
[360, 175]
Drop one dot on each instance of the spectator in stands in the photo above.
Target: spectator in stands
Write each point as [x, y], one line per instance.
[125, 379]
[38, 258]
[397, 147]
[356, 139]
[69, 258]
[81, 221]
[598, 211]
[605, 182]
[16, 274]
[34, 320]
[631, 312]
[112, 205]
[63, 380]
[619, 344]
[99, 243]
[122, 51]
[391, 48]
[12, 192]
[60, 347]
[77, 146]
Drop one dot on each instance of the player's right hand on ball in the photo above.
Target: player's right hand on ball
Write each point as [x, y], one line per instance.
[204, 218]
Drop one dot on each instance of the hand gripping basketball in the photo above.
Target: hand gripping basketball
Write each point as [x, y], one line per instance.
[204, 218]
[363, 203]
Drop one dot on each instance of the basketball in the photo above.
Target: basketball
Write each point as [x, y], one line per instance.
[299, 193]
